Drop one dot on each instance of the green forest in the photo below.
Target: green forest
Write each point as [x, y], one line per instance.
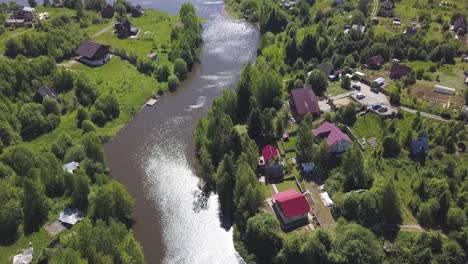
[39, 133]
[390, 206]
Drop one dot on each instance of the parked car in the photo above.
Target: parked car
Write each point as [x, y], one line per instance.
[382, 109]
[376, 106]
[375, 90]
[360, 96]
[357, 87]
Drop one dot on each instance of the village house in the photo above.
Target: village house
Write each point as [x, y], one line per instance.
[124, 29]
[69, 217]
[399, 70]
[291, 207]
[107, 11]
[304, 101]
[23, 14]
[387, 5]
[268, 152]
[44, 92]
[459, 26]
[420, 146]
[93, 53]
[137, 11]
[274, 172]
[337, 141]
[375, 62]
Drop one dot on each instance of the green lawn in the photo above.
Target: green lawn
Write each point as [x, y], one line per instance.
[288, 183]
[155, 32]
[334, 89]
[368, 125]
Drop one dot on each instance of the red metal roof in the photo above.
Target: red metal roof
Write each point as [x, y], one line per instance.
[269, 152]
[331, 132]
[292, 203]
[305, 101]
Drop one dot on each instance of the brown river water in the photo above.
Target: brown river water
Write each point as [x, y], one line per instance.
[152, 155]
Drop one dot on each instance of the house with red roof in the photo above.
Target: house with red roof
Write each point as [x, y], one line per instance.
[268, 152]
[337, 141]
[304, 101]
[291, 206]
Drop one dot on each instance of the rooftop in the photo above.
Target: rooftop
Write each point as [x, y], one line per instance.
[292, 203]
[331, 132]
[305, 101]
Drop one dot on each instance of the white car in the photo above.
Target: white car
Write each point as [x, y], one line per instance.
[360, 96]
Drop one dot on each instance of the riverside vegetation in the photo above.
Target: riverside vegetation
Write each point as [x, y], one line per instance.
[38, 136]
[427, 192]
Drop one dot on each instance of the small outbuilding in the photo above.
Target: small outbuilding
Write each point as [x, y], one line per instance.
[379, 81]
[152, 56]
[308, 167]
[291, 206]
[375, 62]
[137, 11]
[107, 11]
[327, 201]
[459, 26]
[420, 145]
[71, 166]
[24, 257]
[70, 216]
[44, 92]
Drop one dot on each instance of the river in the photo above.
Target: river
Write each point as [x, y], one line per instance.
[152, 155]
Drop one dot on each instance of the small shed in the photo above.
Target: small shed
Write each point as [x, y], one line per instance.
[379, 81]
[327, 201]
[70, 216]
[359, 74]
[444, 89]
[24, 257]
[43, 92]
[71, 166]
[152, 56]
[308, 167]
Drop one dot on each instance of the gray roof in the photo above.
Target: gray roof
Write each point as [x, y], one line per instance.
[70, 216]
[275, 170]
[71, 166]
[46, 91]
[24, 257]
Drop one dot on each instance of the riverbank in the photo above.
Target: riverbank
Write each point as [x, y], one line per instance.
[119, 78]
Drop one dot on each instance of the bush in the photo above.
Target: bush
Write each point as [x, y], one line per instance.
[180, 69]
[163, 73]
[172, 82]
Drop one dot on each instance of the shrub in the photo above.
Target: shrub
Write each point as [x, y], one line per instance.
[180, 69]
[173, 82]
[88, 126]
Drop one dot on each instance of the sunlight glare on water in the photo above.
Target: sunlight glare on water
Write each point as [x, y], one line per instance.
[191, 236]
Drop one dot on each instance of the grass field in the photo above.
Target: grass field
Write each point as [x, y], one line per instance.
[155, 32]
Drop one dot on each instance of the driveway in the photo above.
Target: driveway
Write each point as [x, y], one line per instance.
[371, 98]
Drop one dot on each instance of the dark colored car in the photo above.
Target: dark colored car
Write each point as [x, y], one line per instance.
[375, 90]
[382, 109]
[357, 87]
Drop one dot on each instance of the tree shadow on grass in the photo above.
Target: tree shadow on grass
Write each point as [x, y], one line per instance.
[9, 238]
